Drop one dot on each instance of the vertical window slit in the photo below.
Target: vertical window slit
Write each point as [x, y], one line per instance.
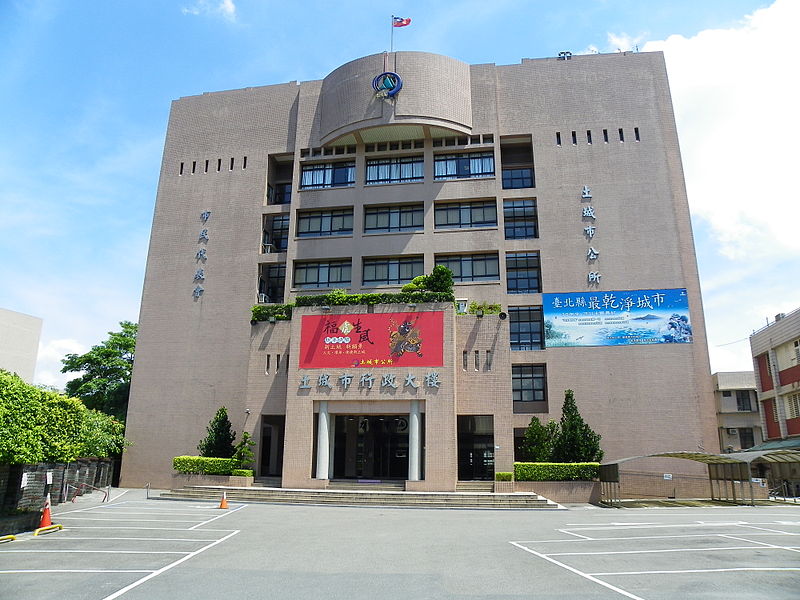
[574, 138]
[558, 138]
[605, 135]
[206, 168]
[588, 136]
[464, 361]
[180, 172]
[231, 169]
[194, 166]
[266, 364]
[277, 362]
[621, 135]
[219, 165]
[488, 360]
[244, 163]
[636, 133]
[477, 360]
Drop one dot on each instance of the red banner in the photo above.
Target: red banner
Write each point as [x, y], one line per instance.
[411, 339]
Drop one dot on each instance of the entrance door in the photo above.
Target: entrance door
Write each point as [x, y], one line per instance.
[272, 429]
[370, 447]
[475, 447]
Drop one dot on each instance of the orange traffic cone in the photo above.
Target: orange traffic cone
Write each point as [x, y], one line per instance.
[46, 522]
[222, 503]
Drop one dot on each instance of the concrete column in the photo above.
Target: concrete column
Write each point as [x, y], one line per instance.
[332, 440]
[323, 443]
[414, 442]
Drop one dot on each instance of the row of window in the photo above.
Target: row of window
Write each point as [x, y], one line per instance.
[209, 164]
[468, 165]
[399, 145]
[519, 216]
[522, 271]
[620, 134]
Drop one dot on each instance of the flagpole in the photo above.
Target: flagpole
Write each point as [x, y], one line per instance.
[391, 36]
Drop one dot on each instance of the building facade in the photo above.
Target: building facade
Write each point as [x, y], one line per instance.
[776, 359]
[738, 419]
[19, 343]
[553, 188]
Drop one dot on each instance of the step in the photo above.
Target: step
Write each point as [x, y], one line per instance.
[362, 498]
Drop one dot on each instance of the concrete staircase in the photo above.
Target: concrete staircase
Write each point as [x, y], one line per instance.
[337, 496]
[483, 487]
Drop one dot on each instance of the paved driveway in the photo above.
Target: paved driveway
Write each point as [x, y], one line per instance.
[134, 548]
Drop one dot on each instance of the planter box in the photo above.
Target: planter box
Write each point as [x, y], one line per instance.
[503, 487]
[562, 491]
[27, 521]
[180, 480]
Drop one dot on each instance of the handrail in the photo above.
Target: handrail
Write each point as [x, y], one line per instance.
[85, 485]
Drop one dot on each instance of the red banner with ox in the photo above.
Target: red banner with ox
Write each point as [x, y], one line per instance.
[410, 339]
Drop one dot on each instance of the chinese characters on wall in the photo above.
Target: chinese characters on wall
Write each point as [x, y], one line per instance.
[200, 256]
[588, 216]
[367, 380]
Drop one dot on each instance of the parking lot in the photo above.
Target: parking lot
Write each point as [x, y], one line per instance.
[135, 548]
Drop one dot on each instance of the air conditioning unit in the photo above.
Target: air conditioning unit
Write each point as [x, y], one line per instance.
[461, 305]
[732, 431]
[263, 298]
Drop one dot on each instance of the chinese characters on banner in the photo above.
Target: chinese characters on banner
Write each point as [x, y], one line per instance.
[366, 341]
[617, 318]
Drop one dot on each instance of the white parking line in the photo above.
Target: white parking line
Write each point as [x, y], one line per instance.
[71, 527]
[16, 571]
[225, 514]
[583, 537]
[134, 520]
[127, 588]
[658, 551]
[762, 544]
[139, 539]
[89, 552]
[696, 571]
[576, 571]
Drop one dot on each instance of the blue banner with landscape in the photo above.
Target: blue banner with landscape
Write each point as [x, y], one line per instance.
[617, 318]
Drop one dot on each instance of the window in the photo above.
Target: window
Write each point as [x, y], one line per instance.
[522, 272]
[520, 219]
[271, 282]
[455, 166]
[457, 215]
[746, 439]
[517, 178]
[525, 327]
[792, 406]
[405, 217]
[322, 274]
[327, 175]
[276, 234]
[743, 400]
[797, 351]
[727, 394]
[321, 223]
[528, 383]
[391, 271]
[472, 267]
[395, 170]
[280, 193]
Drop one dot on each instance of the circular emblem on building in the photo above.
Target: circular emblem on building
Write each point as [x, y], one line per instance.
[386, 85]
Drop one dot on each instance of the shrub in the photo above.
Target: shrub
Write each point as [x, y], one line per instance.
[537, 443]
[204, 465]
[503, 476]
[219, 441]
[556, 471]
[243, 453]
[576, 441]
[487, 308]
[440, 280]
[242, 472]
[281, 312]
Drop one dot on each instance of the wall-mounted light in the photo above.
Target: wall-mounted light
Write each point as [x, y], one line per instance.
[412, 306]
[503, 316]
[325, 308]
[253, 321]
[479, 313]
[247, 411]
[272, 319]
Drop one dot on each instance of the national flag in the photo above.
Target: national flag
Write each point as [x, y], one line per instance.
[400, 21]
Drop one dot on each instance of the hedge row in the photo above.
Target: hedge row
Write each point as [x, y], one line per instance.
[204, 465]
[283, 312]
[38, 425]
[556, 471]
[503, 476]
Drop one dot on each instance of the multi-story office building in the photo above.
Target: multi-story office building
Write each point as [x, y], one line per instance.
[552, 187]
[738, 419]
[19, 343]
[776, 359]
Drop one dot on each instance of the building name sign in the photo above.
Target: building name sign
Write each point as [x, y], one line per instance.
[368, 380]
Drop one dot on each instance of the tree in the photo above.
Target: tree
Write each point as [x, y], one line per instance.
[219, 441]
[106, 380]
[537, 443]
[243, 453]
[576, 441]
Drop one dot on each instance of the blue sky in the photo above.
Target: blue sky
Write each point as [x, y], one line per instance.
[85, 91]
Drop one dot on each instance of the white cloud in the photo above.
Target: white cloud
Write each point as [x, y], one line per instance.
[224, 8]
[735, 106]
[735, 109]
[48, 365]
